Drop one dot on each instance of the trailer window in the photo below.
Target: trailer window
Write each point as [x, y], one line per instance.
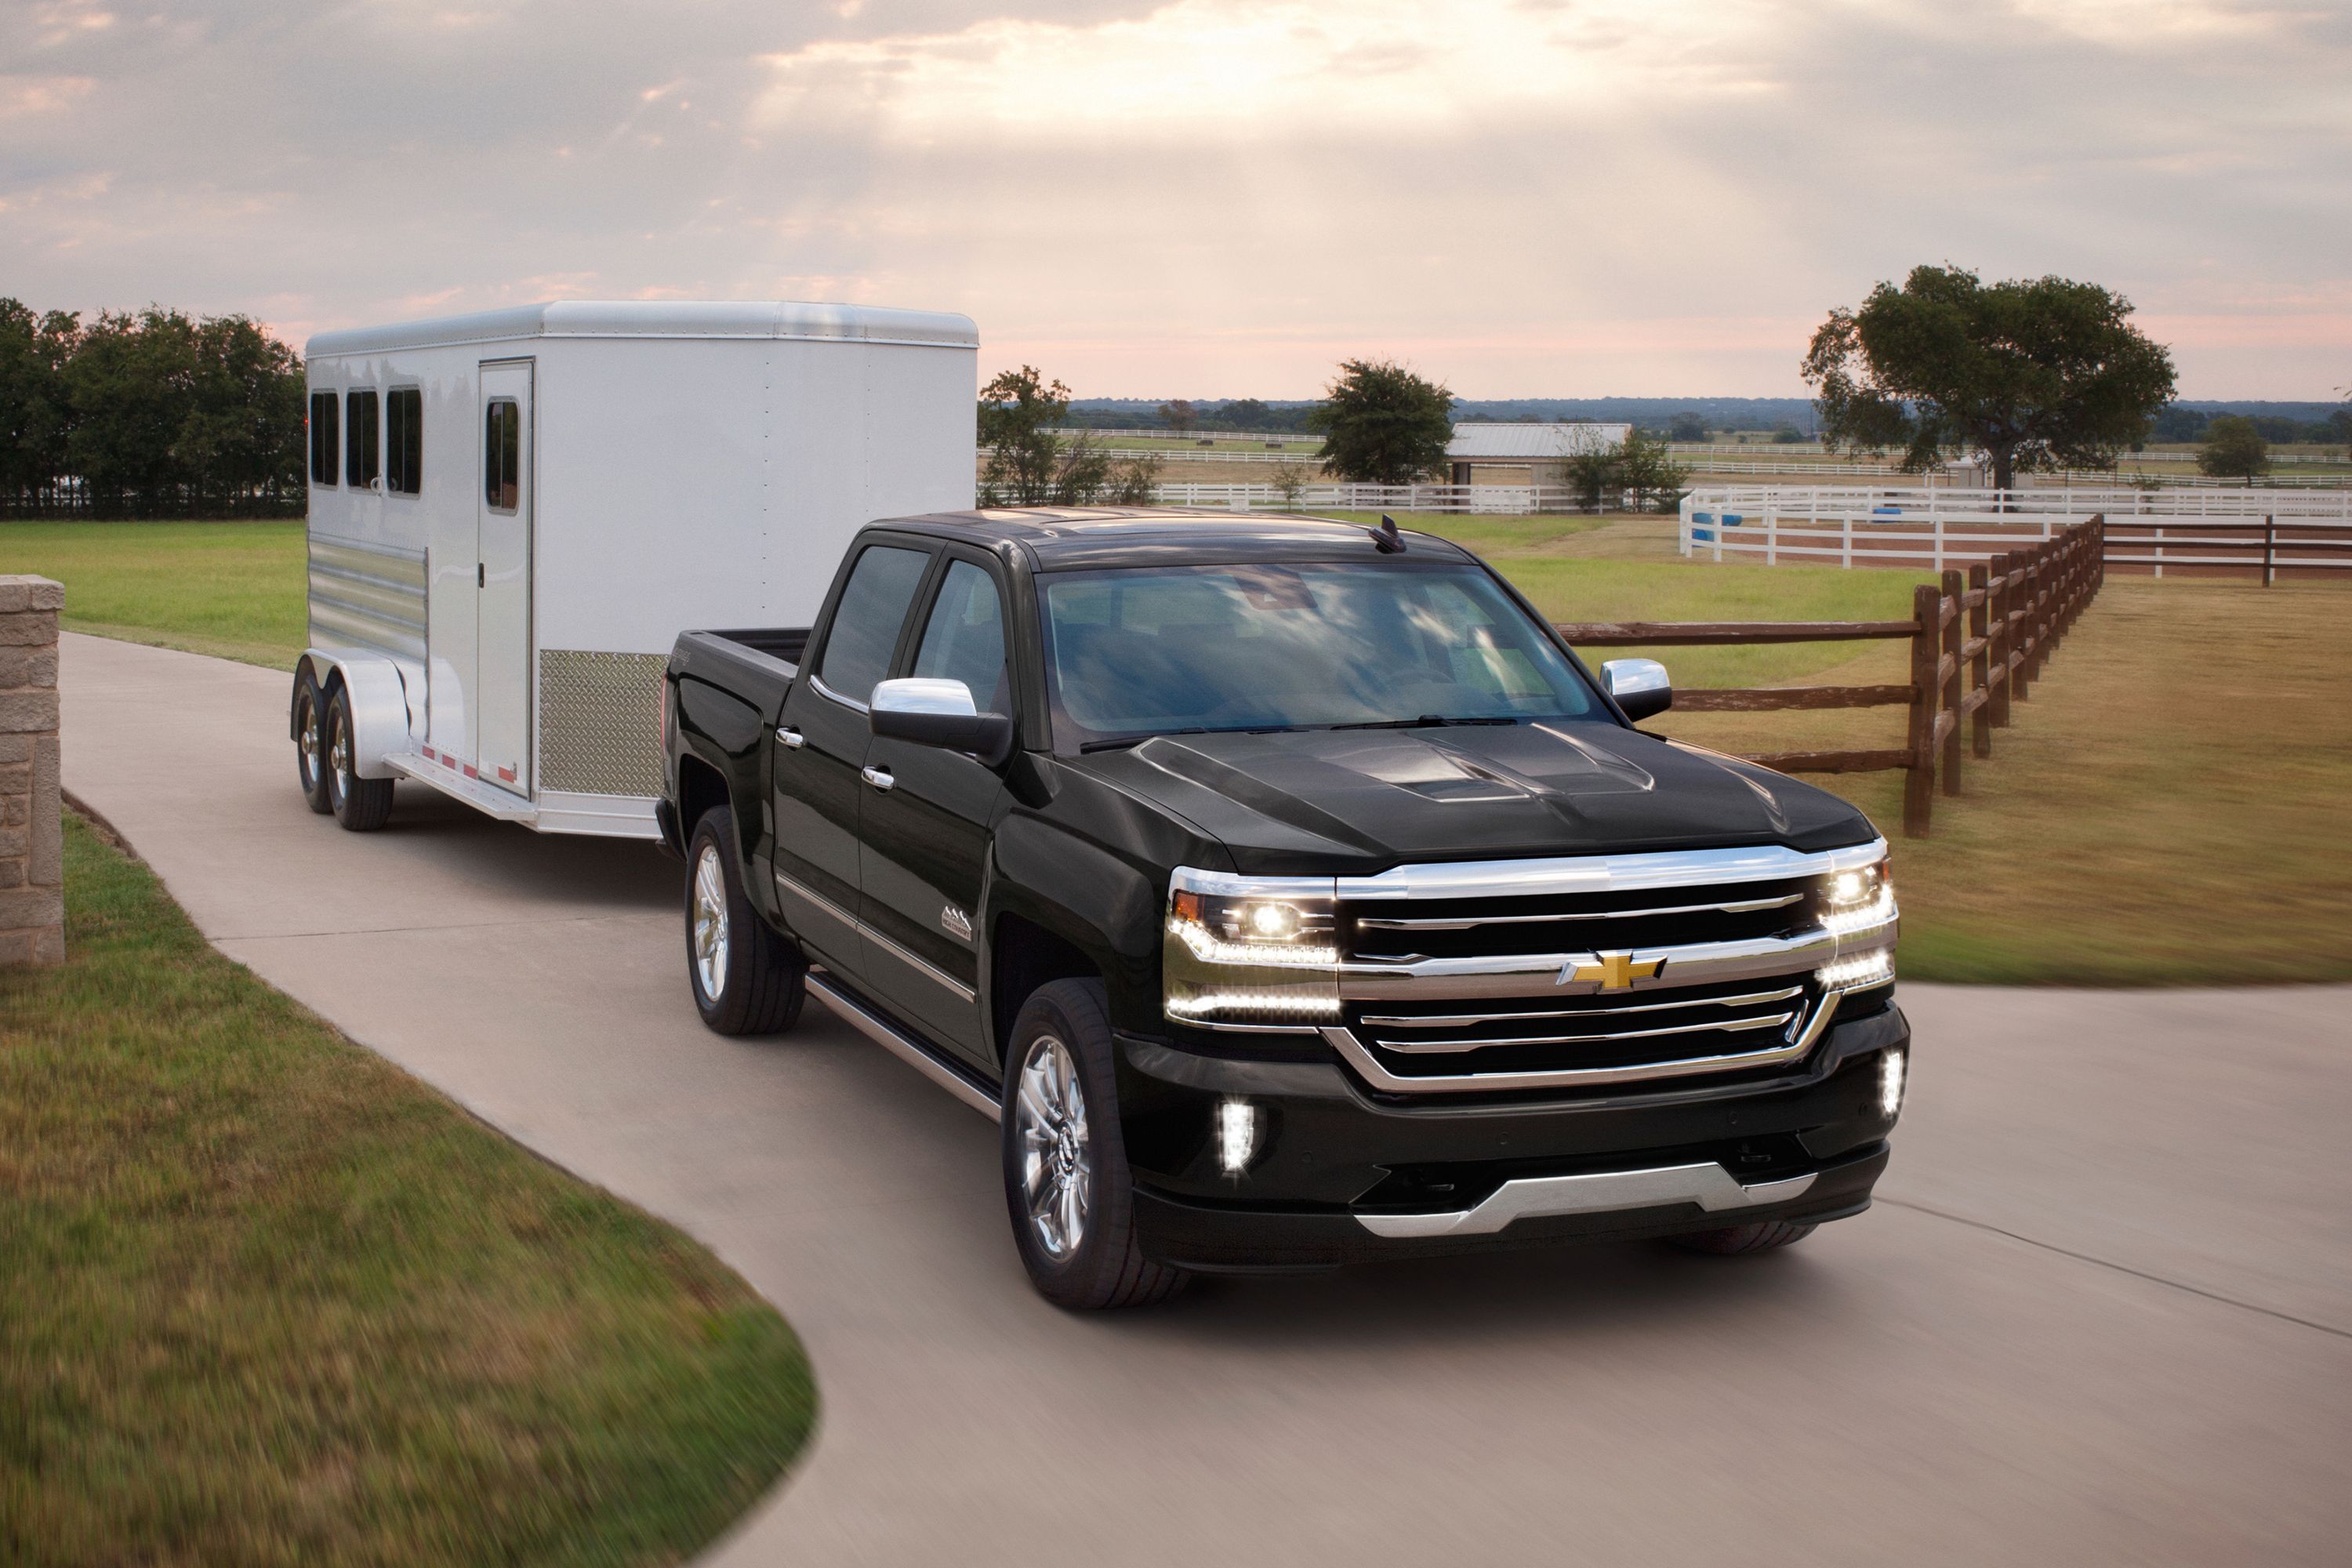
[403, 440]
[360, 432]
[964, 639]
[866, 622]
[502, 456]
[324, 440]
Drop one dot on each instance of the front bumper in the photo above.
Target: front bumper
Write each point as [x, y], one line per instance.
[1337, 1175]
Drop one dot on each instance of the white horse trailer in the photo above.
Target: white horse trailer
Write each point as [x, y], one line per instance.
[514, 514]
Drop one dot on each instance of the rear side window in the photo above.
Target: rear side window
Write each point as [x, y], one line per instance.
[964, 639]
[403, 440]
[361, 431]
[326, 440]
[866, 622]
[502, 456]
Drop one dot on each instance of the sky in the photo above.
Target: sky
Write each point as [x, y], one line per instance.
[1208, 198]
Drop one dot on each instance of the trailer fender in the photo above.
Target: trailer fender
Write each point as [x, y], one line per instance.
[381, 725]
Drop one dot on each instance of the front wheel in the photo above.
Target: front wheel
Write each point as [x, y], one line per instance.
[747, 979]
[1066, 1183]
[362, 806]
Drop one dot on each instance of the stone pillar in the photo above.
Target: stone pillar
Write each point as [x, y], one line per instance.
[32, 841]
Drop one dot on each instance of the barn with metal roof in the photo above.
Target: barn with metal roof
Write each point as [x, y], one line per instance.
[1525, 454]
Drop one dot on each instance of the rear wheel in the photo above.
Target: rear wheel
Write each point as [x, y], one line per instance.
[1734, 1241]
[310, 743]
[1066, 1183]
[361, 805]
[747, 979]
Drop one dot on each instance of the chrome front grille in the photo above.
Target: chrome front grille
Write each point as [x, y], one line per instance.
[1566, 974]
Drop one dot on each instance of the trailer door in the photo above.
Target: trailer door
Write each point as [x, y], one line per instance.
[502, 578]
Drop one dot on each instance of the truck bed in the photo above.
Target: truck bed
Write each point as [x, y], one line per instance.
[756, 665]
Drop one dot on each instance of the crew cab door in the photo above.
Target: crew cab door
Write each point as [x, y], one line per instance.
[925, 830]
[820, 752]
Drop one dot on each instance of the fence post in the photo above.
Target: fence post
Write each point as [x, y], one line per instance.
[2270, 551]
[1919, 781]
[1938, 527]
[1845, 547]
[2021, 655]
[1981, 667]
[1771, 536]
[2003, 639]
[1954, 631]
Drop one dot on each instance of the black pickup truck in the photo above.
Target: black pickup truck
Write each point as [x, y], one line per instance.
[1289, 892]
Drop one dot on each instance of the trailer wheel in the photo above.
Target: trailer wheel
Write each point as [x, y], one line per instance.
[360, 805]
[1734, 1241]
[311, 742]
[746, 978]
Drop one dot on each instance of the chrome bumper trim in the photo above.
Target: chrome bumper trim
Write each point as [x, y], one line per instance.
[1723, 1026]
[1470, 1020]
[1710, 1186]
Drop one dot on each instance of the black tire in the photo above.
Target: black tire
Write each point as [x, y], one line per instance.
[762, 979]
[362, 806]
[1105, 1267]
[309, 727]
[1739, 1240]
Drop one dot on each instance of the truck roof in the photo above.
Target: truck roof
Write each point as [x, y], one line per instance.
[1073, 538]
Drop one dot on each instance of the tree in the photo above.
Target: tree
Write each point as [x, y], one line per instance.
[1133, 482]
[1382, 424]
[2233, 450]
[1247, 413]
[2340, 423]
[1179, 415]
[1290, 481]
[1017, 413]
[35, 411]
[2036, 373]
[1691, 427]
[1648, 473]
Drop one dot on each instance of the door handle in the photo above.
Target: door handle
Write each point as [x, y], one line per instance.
[878, 777]
[792, 738]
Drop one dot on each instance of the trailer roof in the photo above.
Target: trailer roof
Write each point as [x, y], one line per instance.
[1063, 538]
[658, 318]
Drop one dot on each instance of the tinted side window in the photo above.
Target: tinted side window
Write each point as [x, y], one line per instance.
[502, 456]
[359, 450]
[964, 639]
[867, 623]
[325, 437]
[403, 440]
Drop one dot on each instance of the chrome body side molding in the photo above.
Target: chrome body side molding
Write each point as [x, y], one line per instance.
[1710, 1186]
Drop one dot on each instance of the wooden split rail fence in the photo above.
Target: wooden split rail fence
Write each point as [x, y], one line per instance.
[1979, 641]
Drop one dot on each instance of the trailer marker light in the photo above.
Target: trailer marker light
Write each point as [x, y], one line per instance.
[1237, 1129]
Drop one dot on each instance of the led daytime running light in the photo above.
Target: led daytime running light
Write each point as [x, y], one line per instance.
[1863, 969]
[1293, 1004]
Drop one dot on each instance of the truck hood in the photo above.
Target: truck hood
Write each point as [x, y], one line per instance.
[1351, 800]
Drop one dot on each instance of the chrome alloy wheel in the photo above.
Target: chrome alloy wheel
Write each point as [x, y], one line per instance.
[710, 922]
[1057, 1171]
[339, 756]
[308, 742]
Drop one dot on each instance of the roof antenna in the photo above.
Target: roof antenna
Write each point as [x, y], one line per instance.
[1385, 536]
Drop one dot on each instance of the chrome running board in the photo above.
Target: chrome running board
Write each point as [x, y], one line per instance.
[1710, 1186]
[916, 1053]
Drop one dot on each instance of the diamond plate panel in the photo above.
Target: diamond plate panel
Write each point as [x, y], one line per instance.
[600, 722]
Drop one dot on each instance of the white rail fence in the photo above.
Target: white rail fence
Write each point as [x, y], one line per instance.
[2269, 531]
[1484, 499]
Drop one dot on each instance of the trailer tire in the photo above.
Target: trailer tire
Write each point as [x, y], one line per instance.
[1739, 1240]
[747, 979]
[362, 806]
[1068, 1186]
[309, 727]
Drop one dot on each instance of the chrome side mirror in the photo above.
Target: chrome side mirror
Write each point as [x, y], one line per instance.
[1640, 686]
[940, 714]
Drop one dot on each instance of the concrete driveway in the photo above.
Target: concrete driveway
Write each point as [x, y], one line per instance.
[2102, 1313]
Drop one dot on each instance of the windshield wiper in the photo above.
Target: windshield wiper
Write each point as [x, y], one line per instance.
[1117, 743]
[1426, 722]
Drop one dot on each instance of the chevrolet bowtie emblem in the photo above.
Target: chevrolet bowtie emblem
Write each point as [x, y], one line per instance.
[1610, 971]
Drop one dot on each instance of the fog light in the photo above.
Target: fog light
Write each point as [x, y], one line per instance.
[1890, 1084]
[1237, 1128]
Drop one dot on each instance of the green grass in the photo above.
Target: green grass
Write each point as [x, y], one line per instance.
[268, 1301]
[234, 590]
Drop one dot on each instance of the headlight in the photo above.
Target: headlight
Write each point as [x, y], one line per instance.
[1249, 953]
[1857, 907]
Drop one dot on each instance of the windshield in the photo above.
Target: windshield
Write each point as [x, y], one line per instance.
[1158, 650]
